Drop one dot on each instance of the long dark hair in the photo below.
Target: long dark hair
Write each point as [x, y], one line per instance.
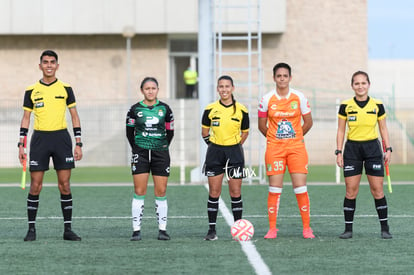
[227, 77]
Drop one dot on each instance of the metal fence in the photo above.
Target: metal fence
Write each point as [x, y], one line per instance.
[105, 144]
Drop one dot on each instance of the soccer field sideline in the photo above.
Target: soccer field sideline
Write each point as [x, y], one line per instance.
[172, 184]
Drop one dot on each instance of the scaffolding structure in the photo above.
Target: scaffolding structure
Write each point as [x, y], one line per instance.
[238, 53]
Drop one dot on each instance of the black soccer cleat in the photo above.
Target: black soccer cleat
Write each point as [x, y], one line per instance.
[346, 235]
[31, 235]
[69, 235]
[163, 236]
[386, 235]
[211, 235]
[136, 236]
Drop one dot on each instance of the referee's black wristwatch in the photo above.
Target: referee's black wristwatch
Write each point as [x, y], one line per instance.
[388, 149]
[80, 144]
[338, 152]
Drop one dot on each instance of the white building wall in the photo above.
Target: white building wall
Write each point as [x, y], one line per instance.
[111, 16]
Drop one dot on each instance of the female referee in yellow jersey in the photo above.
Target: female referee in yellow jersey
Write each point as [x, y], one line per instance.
[363, 149]
[224, 127]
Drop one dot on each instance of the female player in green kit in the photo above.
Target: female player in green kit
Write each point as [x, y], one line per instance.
[150, 129]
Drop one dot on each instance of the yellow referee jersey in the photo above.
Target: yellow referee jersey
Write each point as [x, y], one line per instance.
[226, 124]
[48, 103]
[362, 118]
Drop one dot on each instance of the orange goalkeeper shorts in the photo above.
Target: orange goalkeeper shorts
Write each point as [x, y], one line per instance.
[293, 155]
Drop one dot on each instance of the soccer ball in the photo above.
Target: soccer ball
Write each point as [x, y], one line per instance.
[242, 230]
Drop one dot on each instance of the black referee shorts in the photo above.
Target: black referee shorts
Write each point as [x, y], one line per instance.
[56, 145]
[224, 159]
[359, 154]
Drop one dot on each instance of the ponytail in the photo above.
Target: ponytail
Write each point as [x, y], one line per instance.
[234, 104]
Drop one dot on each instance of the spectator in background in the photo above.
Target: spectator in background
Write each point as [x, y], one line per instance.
[190, 80]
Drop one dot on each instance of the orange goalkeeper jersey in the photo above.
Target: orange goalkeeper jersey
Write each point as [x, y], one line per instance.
[284, 115]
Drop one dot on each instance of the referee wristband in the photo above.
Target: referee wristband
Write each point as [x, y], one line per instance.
[77, 132]
[207, 139]
[23, 132]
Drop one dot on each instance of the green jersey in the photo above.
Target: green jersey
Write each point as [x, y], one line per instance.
[151, 124]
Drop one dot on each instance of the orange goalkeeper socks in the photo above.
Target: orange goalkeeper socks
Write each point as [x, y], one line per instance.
[273, 200]
[304, 205]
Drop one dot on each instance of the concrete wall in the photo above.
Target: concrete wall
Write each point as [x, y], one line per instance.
[325, 41]
[112, 16]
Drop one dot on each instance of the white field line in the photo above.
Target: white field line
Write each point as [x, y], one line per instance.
[173, 184]
[248, 247]
[197, 217]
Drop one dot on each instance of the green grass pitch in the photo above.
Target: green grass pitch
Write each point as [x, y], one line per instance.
[102, 219]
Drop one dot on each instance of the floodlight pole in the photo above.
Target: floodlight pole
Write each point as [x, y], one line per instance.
[205, 69]
[128, 33]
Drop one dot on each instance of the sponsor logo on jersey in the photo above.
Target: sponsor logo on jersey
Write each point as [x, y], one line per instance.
[215, 123]
[131, 121]
[273, 107]
[285, 130]
[151, 120]
[40, 104]
[139, 114]
[284, 114]
[352, 118]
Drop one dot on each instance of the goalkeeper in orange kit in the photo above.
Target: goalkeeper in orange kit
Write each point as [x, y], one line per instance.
[280, 120]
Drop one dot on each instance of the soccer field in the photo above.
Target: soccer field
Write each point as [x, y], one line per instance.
[102, 219]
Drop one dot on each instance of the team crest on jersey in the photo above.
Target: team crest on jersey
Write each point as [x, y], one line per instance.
[294, 105]
[160, 113]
